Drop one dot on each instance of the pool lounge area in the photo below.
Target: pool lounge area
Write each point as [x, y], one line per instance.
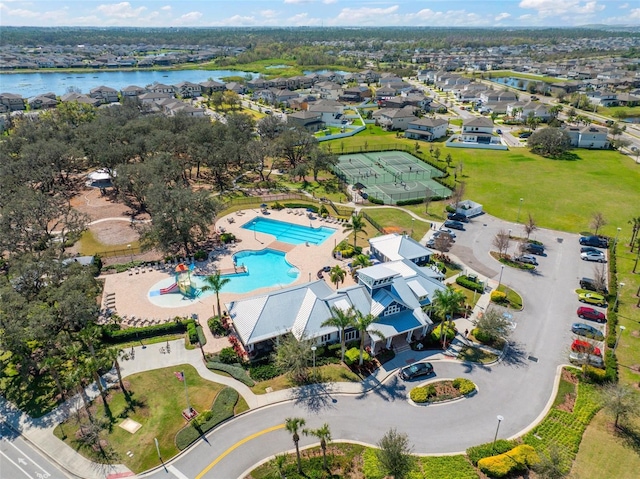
[290, 232]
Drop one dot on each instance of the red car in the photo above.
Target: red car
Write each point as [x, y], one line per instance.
[581, 346]
[589, 313]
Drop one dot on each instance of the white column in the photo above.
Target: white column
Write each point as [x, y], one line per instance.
[409, 334]
[389, 342]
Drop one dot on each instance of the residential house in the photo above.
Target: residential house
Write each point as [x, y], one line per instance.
[627, 99]
[385, 93]
[131, 91]
[105, 94]
[12, 102]
[44, 101]
[477, 130]
[355, 94]
[494, 96]
[395, 247]
[80, 98]
[523, 110]
[328, 90]
[161, 88]
[397, 118]
[259, 84]
[310, 120]
[236, 87]
[210, 86]
[603, 98]
[591, 137]
[187, 89]
[153, 97]
[427, 129]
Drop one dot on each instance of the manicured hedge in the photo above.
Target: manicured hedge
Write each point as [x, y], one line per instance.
[520, 458]
[498, 296]
[311, 207]
[413, 201]
[221, 410]
[464, 386]
[352, 356]
[488, 449]
[375, 200]
[236, 372]
[192, 332]
[422, 394]
[264, 372]
[450, 332]
[202, 339]
[472, 285]
[134, 334]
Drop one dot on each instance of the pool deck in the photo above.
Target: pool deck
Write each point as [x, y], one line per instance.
[128, 293]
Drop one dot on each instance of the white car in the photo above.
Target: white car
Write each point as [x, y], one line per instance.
[444, 230]
[593, 256]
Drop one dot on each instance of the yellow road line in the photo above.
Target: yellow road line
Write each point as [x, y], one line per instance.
[237, 445]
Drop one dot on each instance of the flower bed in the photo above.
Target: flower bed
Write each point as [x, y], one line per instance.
[442, 391]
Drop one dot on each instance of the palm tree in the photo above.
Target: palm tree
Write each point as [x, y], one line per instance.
[114, 355]
[357, 225]
[91, 367]
[215, 282]
[447, 302]
[53, 364]
[293, 425]
[361, 323]
[324, 434]
[337, 275]
[340, 319]
[360, 261]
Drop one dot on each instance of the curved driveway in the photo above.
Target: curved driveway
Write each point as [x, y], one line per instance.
[518, 388]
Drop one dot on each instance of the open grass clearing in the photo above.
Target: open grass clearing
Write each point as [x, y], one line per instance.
[89, 245]
[395, 220]
[325, 373]
[157, 409]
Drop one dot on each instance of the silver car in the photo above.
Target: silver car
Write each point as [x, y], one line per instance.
[584, 358]
[527, 258]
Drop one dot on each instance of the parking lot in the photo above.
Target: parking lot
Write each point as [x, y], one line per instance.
[543, 332]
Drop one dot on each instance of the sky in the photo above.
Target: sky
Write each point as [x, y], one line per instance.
[338, 13]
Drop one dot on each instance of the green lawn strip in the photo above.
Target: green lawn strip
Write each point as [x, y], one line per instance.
[565, 428]
[600, 450]
[476, 355]
[393, 218]
[509, 73]
[235, 371]
[326, 373]
[471, 298]
[221, 410]
[157, 409]
[564, 388]
[619, 111]
[513, 298]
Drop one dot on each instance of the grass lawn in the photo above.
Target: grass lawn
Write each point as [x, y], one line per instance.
[326, 373]
[621, 111]
[157, 409]
[399, 221]
[476, 355]
[468, 294]
[89, 245]
[514, 299]
[601, 450]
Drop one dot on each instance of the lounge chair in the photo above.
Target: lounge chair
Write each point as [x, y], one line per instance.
[289, 211]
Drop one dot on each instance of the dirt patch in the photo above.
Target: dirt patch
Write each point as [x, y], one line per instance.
[569, 399]
[635, 334]
[393, 229]
[114, 232]
[97, 206]
[635, 367]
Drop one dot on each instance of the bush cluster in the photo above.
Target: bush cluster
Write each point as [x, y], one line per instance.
[200, 255]
[227, 237]
[520, 458]
[216, 327]
[228, 356]
[611, 366]
[309, 206]
[488, 449]
[375, 200]
[236, 372]
[352, 356]
[422, 394]
[347, 250]
[464, 386]
[413, 201]
[450, 332]
[264, 372]
[498, 296]
[134, 334]
[481, 336]
[192, 332]
[465, 282]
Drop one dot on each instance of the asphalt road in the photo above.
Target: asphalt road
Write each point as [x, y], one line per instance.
[518, 388]
[18, 460]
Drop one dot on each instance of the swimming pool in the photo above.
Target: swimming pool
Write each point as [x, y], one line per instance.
[265, 268]
[289, 232]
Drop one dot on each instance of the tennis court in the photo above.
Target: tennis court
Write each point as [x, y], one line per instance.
[391, 176]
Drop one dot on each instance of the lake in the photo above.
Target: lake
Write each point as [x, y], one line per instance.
[32, 84]
[518, 83]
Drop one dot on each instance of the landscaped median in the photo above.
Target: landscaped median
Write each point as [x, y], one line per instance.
[442, 390]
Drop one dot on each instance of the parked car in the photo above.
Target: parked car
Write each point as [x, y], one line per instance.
[582, 329]
[586, 312]
[458, 217]
[591, 285]
[526, 258]
[526, 134]
[596, 241]
[416, 370]
[590, 256]
[499, 132]
[592, 298]
[534, 248]
[590, 249]
[455, 225]
[582, 346]
[584, 358]
[442, 231]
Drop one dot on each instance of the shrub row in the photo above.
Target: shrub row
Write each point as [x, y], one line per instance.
[221, 410]
[375, 200]
[134, 334]
[422, 394]
[311, 207]
[413, 201]
[236, 372]
[520, 458]
[463, 385]
[192, 332]
[488, 449]
[202, 339]
[264, 372]
[465, 282]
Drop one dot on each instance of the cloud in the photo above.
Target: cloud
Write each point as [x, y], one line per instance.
[624, 6]
[120, 10]
[354, 16]
[548, 8]
[329, 2]
[269, 13]
[189, 17]
[502, 16]
[634, 14]
[298, 2]
[166, 8]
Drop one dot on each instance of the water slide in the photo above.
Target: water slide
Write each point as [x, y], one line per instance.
[169, 289]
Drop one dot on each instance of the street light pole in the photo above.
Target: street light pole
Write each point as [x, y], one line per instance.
[313, 348]
[615, 305]
[500, 280]
[615, 346]
[615, 243]
[130, 252]
[500, 419]
[519, 208]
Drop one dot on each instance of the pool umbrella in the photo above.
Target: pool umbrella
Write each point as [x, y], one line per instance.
[263, 205]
